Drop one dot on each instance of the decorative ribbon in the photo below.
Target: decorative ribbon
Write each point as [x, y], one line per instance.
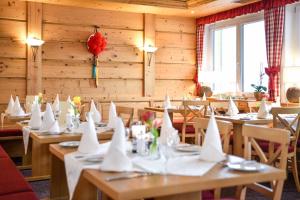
[198, 85]
[272, 72]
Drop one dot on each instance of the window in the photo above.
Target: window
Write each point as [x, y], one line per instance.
[236, 53]
[254, 55]
[225, 58]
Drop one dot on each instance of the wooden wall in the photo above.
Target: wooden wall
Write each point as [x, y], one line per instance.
[66, 63]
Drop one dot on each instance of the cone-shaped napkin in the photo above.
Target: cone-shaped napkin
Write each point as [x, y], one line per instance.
[232, 109]
[89, 141]
[212, 147]
[95, 113]
[17, 109]
[70, 107]
[204, 97]
[116, 158]
[10, 106]
[55, 105]
[54, 129]
[112, 116]
[36, 120]
[167, 102]
[166, 128]
[263, 110]
[48, 119]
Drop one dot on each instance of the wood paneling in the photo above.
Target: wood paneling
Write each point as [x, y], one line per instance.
[70, 33]
[82, 69]
[175, 55]
[12, 49]
[174, 88]
[11, 67]
[175, 24]
[179, 40]
[12, 86]
[85, 87]
[13, 9]
[78, 51]
[17, 30]
[102, 18]
[175, 71]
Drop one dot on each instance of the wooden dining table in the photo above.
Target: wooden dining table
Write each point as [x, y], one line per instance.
[238, 121]
[162, 187]
[41, 157]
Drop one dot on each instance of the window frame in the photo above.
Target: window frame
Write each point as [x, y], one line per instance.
[239, 23]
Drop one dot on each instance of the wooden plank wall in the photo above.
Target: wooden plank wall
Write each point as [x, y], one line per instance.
[66, 63]
[12, 50]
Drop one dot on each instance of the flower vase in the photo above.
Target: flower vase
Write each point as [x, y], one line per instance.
[76, 121]
[154, 146]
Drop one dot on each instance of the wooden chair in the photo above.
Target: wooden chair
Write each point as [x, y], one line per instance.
[192, 110]
[225, 129]
[126, 113]
[279, 121]
[219, 107]
[278, 158]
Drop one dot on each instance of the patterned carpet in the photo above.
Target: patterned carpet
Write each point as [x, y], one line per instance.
[289, 192]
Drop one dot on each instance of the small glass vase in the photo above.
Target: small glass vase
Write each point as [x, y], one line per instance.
[76, 121]
[154, 149]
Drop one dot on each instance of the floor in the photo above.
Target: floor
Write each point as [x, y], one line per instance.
[289, 192]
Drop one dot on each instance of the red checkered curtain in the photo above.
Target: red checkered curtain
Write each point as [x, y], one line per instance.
[274, 29]
[200, 43]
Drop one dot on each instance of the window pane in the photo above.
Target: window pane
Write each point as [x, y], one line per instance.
[225, 59]
[255, 59]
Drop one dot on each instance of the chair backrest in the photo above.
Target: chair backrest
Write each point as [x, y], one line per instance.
[126, 113]
[279, 137]
[225, 129]
[288, 118]
[141, 112]
[194, 109]
[219, 107]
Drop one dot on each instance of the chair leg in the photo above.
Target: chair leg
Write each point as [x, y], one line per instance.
[241, 192]
[295, 172]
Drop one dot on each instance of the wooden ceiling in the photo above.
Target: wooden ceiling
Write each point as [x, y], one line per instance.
[187, 8]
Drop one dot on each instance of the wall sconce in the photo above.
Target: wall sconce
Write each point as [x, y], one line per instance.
[150, 51]
[34, 43]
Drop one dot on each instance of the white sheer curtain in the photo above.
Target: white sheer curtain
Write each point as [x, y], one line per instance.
[291, 52]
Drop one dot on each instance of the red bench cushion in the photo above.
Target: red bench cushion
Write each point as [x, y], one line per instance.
[19, 196]
[11, 180]
[3, 154]
[177, 124]
[264, 145]
[10, 132]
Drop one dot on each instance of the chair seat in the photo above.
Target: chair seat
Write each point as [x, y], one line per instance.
[10, 132]
[209, 195]
[11, 180]
[265, 146]
[178, 124]
[19, 196]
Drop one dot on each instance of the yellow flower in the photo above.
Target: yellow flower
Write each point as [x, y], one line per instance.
[77, 100]
[40, 94]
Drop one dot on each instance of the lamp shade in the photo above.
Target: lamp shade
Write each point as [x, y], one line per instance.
[34, 42]
[150, 49]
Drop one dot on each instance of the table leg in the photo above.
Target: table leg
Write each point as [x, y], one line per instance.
[237, 140]
[41, 161]
[58, 183]
[85, 190]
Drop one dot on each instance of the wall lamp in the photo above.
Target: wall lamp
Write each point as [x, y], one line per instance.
[150, 51]
[34, 43]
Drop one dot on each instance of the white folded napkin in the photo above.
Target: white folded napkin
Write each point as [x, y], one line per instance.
[36, 117]
[277, 102]
[212, 147]
[95, 113]
[166, 128]
[89, 140]
[48, 118]
[26, 133]
[75, 165]
[54, 129]
[17, 109]
[55, 105]
[232, 109]
[69, 99]
[10, 106]
[112, 116]
[204, 97]
[167, 103]
[116, 158]
[63, 112]
[263, 110]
